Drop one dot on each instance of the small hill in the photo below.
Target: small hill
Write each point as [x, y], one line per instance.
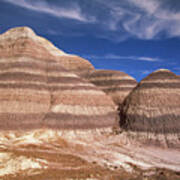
[152, 111]
[23, 41]
[115, 83]
[76, 103]
[38, 92]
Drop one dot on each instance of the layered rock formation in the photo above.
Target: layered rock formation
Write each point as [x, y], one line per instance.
[51, 119]
[23, 41]
[76, 64]
[152, 110]
[36, 92]
[115, 83]
[77, 104]
[24, 98]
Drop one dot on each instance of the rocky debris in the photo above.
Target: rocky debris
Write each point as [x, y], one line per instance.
[42, 154]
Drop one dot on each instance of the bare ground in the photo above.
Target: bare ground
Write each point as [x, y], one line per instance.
[48, 156]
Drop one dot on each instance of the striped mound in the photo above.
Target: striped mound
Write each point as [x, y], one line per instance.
[36, 92]
[23, 41]
[35, 95]
[77, 104]
[115, 83]
[24, 96]
[76, 64]
[18, 42]
[152, 110]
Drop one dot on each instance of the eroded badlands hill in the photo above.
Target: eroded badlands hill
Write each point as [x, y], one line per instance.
[22, 41]
[152, 111]
[55, 125]
[116, 84]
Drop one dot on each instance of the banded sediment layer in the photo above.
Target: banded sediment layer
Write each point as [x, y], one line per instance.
[25, 98]
[114, 83]
[37, 92]
[152, 111]
[56, 125]
[76, 103]
[22, 41]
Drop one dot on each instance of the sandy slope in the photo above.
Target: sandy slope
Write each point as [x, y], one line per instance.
[47, 154]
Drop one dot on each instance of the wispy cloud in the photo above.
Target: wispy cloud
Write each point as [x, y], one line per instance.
[143, 19]
[148, 59]
[153, 19]
[115, 20]
[72, 12]
[114, 56]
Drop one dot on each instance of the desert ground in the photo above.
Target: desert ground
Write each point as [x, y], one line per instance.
[54, 155]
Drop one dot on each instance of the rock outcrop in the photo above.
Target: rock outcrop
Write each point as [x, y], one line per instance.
[152, 111]
[55, 125]
[23, 41]
[37, 92]
[24, 97]
[76, 103]
[114, 83]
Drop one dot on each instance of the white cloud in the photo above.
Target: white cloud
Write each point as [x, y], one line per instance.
[153, 19]
[143, 19]
[150, 6]
[148, 59]
[115, 20]
[73, 12]
[114, 56]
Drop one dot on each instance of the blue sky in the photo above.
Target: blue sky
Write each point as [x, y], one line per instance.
[134, 36]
